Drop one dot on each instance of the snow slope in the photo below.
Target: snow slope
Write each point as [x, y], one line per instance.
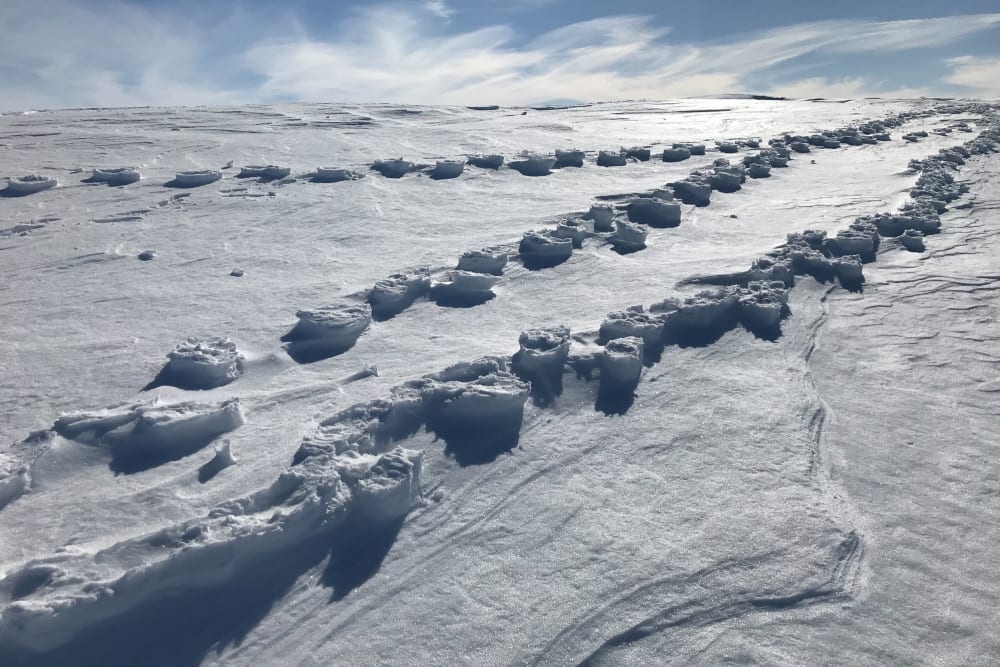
[799, 471]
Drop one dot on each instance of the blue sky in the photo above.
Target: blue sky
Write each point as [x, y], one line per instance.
[146, 52]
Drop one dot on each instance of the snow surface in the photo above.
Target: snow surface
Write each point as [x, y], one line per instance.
[751, 463]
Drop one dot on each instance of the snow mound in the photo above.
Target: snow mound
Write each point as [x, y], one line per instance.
[395, 293]
[194, 179]
[534, 165]
[269, 172]
[628, 237]
[115, 176]
[446, 169]
[464, 289]
[144, 435]
[654, 212]
[612, 158]
[569, 158]
[541, 250]
[486, 161]
[335, 175]
[326, 331]
[202, 363]
[20, 186]
[487, 260]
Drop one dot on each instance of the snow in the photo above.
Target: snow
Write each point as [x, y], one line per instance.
[778, 469]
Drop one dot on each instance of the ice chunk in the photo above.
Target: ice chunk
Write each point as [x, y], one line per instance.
[696, 149]
[574, 230]
[811, 262]
[542, 250]
[848, 270]
[912, 240]
[727, 147]
[799, 147]
[757, 170]
[542, 355]
[487, 260]
[654, 212]
[694, 189]
[639, 153]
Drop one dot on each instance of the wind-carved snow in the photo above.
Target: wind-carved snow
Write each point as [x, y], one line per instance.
[803, 547]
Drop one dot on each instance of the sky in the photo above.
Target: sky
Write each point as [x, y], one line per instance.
[111, 53]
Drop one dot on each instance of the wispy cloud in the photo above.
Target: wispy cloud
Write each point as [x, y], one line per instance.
[981, 76]
[108, 53]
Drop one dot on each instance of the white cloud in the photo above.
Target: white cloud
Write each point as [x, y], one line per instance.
[980, 75]
[107, 53]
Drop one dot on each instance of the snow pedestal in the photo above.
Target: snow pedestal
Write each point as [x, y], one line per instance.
[632, 322]
[203, 363]
[479, 419]
[677, 153]
[654, 212]
[487, 260]
[270, 172]
[772, 268]
[727, 147]
[569, 158]
[486, 161]
[222, 459]
[19, 186]
[115, 176]
[621, 366]
[799, 147]
[446, 169]
[694, 189]
[534, 165]
[395, 293]
[848, 270]
[912, 240]
[775, 289]
[612, 158]
[194, 179]
[390, 488]
[726, 178]
[628, 237]
[574, 230]
[326, 331]
[637, 152]
[807, 261]
[700, 318]
[758, 170]
[696, 149]
[761, 312]
[335, 175]
[542, 250]
[541, 358]
[854, 242]
[603, 216]
[464, 289]
[394, 168]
